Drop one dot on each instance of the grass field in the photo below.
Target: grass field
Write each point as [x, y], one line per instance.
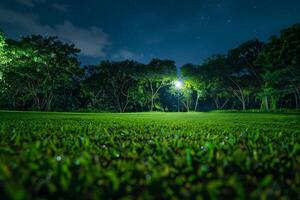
[149, 155]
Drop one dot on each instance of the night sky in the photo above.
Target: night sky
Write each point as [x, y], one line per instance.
[186, 31]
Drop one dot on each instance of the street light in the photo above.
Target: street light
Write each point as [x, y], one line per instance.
[178, 86]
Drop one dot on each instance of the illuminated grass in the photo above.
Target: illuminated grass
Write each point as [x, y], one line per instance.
[149, 155]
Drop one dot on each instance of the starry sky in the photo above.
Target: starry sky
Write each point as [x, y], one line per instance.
[187, 31]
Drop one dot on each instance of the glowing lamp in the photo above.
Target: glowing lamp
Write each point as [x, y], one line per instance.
[178, 84]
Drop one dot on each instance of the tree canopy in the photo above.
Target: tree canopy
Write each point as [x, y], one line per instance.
[44, 73]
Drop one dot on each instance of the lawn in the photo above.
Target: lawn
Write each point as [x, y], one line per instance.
[149, 155]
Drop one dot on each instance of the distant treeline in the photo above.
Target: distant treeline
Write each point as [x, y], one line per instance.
[43, 73]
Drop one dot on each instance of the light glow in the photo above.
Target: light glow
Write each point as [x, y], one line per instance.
[178, 84]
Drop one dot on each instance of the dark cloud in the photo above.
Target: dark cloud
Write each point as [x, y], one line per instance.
[185, 31]
[92, 41]
[125, 54]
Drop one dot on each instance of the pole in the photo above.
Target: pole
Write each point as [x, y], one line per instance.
[178, 102]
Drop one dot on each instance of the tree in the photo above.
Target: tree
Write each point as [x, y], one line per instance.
[4, 59]
[192, 78]
[187, 93]
[44, 73]
[280, 61]
[244, 56]
[116, 80]
[43, 70]
[215, 75]
[94, 87]
[208, 80]
[138, 98]
[156, 75]
[189, 72]
[245, 76]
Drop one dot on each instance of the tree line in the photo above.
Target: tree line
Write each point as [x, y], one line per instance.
[44, 73]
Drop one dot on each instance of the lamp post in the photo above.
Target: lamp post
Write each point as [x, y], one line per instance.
[178, 86]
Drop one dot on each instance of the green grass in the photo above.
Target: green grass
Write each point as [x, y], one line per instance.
[149, 155]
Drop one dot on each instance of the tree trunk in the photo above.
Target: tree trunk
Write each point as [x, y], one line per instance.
[153, 93]
[244, 105]
[267, 103]
[296, 101]
[243, 100]
[49, 102]
[152, 103]
[33, 92]
[196, 103]
[273, 102]
[37, 103]
[239, 93]
[241, 97]
[119, 104]
[224, 104]
[187, 104]
[216, 100]
[297, 97]
[152, 97]
[127, 101]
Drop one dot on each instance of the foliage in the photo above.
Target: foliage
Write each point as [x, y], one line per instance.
[43, 73]
[3, 55]
[149, 155]
[111, 82]
[280, 61]
[158, 74]
[3, 60]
